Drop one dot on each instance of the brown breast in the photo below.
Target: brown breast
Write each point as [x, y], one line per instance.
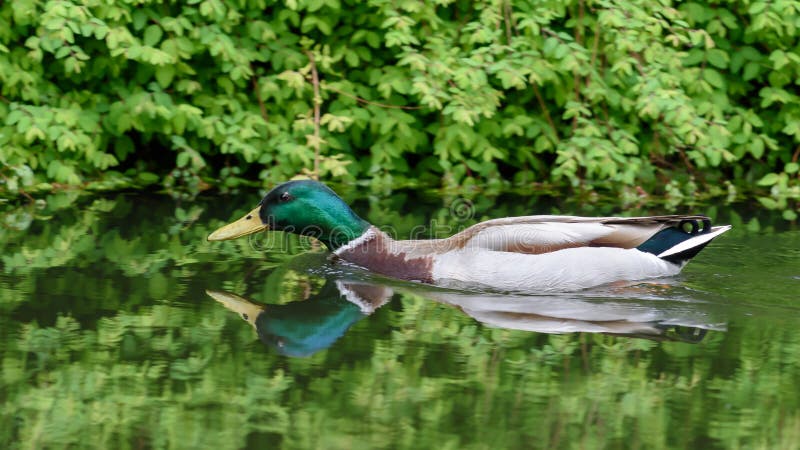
[376, 253]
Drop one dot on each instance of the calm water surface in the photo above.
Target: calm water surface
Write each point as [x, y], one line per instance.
[121, 327]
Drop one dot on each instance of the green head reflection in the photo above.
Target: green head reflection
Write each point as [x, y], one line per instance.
[302, 328]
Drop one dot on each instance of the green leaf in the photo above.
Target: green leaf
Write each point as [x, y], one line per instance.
[769, 179]
[152, 35]
[718, 58]
[768, 203]
[147, 178]
[293, 79]
[164, 75]
[751, 70]
[757, 7]
[183, 159]
[792, 127]
[139, 18]
[713, 78]
[779, 59]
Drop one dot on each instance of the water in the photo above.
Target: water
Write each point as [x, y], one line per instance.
[121, 327]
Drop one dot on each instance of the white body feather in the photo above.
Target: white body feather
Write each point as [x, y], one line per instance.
[570, 269]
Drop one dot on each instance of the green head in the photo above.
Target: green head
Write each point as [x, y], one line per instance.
[303, 207]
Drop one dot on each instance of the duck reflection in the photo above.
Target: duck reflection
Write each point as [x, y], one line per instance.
[623, 314]
[302, 328]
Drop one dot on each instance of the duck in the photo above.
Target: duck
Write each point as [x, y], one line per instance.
[538, 253]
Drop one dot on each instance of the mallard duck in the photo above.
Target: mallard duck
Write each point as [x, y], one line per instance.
[528, 254]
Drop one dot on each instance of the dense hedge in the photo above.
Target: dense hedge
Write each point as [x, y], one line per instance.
[658, 94]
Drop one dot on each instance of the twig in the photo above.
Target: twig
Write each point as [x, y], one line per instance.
[576, 77]
[317, 103]
[553, 34]
[545, 111]
[327, 87]
[507, 19]
[20, 190]
[656, 144]
[595, 45]
[257, 92]
[513, 20]
[685, 158]
[636, 56]
[579, 26]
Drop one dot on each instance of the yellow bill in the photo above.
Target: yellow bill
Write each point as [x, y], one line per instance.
[248, 310]
[249, 224]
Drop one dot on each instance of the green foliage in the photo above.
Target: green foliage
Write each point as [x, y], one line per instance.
[593, 92]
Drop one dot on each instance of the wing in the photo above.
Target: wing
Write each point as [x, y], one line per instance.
[543, 234]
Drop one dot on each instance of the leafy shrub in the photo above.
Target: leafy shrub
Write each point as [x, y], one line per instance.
[650, 93]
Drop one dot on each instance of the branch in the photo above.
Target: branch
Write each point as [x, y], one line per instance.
[317, 103]
[595, 44]
[576, 77]
[639, 65]
[327, 87]
[552, 33]
[685, 159]
[507, 19]
[579, 26]
[545, 111]
[20, 190]
[257, 92]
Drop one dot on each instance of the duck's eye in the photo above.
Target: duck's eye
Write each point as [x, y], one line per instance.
[285, 197]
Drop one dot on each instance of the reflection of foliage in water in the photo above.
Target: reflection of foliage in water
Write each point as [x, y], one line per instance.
[108, 340]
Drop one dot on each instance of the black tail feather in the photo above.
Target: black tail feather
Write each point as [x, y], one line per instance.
[671, 237]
